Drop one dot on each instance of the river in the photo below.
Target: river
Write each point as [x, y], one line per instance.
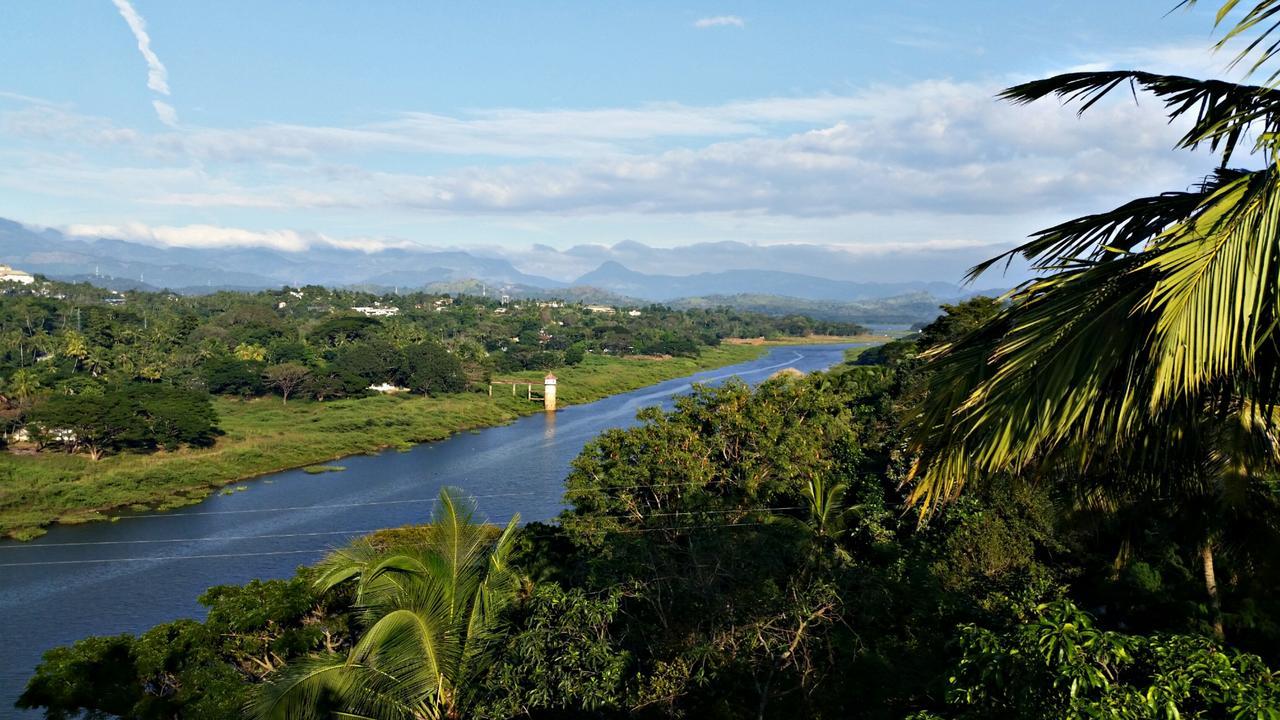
[147, 568]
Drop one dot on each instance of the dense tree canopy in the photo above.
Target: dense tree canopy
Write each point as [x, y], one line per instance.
[58, 339]
[132, 416]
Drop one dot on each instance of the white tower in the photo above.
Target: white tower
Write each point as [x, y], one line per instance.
[549, 392]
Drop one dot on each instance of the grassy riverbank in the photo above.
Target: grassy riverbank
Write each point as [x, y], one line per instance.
[812, 340]
[265, 436]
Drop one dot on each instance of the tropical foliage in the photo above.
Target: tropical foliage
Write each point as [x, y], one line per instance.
[431, 615]
[744, 555]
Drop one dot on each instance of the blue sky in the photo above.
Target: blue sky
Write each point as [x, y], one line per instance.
[493, 127]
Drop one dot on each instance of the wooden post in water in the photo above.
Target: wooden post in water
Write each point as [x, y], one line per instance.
[549, 392]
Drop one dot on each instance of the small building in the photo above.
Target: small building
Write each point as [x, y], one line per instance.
[8, 274]
[377, 310]
[634, 313]
[387, 388]
[601, 309]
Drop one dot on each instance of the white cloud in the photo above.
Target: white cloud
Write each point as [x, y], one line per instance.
[928, 147]
[720, 21]
[214, 236]
[166, 113]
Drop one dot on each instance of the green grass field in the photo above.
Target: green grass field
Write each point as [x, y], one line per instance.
[265, 436]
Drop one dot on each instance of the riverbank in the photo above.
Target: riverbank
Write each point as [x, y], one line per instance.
[810, 340]
[265, 436]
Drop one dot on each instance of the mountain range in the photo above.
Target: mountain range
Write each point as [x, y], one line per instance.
[121, 264]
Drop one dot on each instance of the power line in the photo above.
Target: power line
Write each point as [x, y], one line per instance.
[168, 558]
[332, 506]
[214, 538]
[371, 503]
[178, 540]
[171, 557]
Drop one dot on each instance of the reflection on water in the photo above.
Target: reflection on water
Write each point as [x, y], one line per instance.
[549, 426]
[125, 576]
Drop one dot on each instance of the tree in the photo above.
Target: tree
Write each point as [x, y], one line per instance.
[250, 352]
[374, 361]
[338, 331]
[429, 368]
[561, 659]
[97, 423]
[188, 669]
[229, 376]
[434, 616]
[1144, 359]
[23, 385]
[286, 378]
[1058, 664]
[141, 417]
[75, 347]
[170, 417]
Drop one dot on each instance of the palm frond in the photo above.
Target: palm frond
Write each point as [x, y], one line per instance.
[1059, 368]
[432, 613]
[1216, 298]
[1223, 111]
[1264, 17]
[1113, 233]
[301, 693]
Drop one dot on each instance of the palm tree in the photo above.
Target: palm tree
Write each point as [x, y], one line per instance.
[76, 347]
[23, 384]
[1148, 345]
[432, 614]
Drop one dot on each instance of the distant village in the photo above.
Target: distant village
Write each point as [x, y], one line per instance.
[377, 309]
[8, 274]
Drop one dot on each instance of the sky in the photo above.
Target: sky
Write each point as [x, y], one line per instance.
[870, 127]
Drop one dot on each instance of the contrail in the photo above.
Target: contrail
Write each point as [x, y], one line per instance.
[157, 75]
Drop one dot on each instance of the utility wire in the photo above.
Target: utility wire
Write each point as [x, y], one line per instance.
[167, 558]
[371, 503]
[214, 538]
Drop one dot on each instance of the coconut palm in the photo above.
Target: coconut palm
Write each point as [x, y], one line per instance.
[432, 614]
[76, 347]
[23, 385]
[1152, 312]
[1146, 354]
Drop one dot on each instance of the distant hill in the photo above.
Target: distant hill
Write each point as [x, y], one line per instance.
[124, 265]
[616, 278]
[57, 255]
[898, 310]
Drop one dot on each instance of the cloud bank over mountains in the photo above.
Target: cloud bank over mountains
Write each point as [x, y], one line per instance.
[929, 170]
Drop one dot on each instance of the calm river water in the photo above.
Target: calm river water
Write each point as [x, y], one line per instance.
[125, 576]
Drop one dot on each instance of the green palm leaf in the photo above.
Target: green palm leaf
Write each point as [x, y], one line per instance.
[432, 614]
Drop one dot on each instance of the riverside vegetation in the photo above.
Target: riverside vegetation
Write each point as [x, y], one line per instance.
[159, 399]
[744, 555]
[1063, 504]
